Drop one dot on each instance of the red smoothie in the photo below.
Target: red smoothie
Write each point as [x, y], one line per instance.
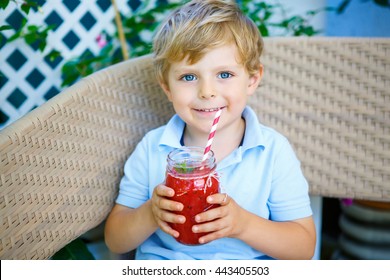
[193, 179]
[192, 192]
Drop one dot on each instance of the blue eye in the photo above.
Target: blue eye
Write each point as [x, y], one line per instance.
[188, 78]
[224, 75]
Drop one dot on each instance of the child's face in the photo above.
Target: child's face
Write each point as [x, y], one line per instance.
[216, 81]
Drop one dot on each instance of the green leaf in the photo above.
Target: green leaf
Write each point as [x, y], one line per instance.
[106, 50]
[267, 15]
[42, 45]
[341, 8]
[309, 31]
[30, 38]
[264, 30]
[384, 3]
[17, 35]
[5, 27]
[69, 73]
[49, 28]
[25, 8]
[4, 4]
[53, 55]
[182, 168]
[68, 80]
[75, 250]
[32, 28]
[24, 22]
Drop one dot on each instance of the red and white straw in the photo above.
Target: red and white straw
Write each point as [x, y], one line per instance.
[211, 134]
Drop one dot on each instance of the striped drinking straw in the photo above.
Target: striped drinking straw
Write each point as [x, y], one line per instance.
[211, 134]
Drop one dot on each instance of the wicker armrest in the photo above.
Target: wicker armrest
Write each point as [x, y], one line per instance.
[61, 164]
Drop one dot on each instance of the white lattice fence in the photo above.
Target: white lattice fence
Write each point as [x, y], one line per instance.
[28, 80]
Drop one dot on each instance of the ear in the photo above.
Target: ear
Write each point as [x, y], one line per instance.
[255, 80]
[166, 90]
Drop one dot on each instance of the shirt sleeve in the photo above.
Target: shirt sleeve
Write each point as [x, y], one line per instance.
[289, 196]
[134, 185]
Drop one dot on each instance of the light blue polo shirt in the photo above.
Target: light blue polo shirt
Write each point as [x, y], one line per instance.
[263, 175]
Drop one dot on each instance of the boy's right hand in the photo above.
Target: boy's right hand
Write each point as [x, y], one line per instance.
[163, 207]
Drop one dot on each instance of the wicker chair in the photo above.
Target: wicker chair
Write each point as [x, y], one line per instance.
[60, 165]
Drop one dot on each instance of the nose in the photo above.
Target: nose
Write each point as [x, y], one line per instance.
[206, 90]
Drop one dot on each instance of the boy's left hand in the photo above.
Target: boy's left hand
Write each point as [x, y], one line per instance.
[223, 221]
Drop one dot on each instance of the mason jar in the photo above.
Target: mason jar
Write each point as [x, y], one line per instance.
[193, 180]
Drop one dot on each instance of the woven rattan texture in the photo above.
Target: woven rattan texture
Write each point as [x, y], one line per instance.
[331, 98]
[62, 163]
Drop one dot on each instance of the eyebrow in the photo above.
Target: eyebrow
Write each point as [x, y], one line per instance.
[218, 68]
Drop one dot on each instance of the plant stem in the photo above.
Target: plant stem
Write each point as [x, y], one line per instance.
[122, 40]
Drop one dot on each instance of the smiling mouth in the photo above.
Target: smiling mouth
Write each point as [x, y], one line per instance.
[210, 110]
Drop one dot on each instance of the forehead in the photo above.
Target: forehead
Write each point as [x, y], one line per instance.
[225, 54]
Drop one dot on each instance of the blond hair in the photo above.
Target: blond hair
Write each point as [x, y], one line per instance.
[200, 25]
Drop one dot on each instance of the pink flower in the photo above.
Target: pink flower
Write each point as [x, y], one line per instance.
[101, 40]
[347, 201]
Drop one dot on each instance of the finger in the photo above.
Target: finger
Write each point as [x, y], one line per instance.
[220, 198]
[209, 215]
[212, 236]
[169, 205]
[159, 198]
[167, 229]
[225, 200]
[164, 210]
[166, 216]
[163, 190]
[212, 226]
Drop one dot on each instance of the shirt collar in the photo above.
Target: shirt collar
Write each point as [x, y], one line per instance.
[253, 134]
[172, 133]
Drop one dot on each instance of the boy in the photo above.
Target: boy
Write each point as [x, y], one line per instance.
[207, 58]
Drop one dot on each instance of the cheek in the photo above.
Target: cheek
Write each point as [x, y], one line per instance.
[238, 93]
[181, 96]
[183, 91]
